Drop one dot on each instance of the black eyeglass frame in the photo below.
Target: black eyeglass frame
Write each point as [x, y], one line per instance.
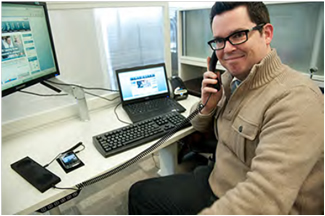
[257, 27]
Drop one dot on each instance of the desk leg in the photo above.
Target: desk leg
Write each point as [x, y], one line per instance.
[55, 211]
[168, 160]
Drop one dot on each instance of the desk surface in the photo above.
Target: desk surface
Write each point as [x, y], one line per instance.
[44, 144]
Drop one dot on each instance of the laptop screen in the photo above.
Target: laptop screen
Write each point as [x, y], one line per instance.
[142, 82]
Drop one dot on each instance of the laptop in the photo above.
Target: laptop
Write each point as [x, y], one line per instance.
[145, 92]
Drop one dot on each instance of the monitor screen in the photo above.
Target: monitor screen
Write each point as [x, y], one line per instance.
[142, 82]
[28, 54]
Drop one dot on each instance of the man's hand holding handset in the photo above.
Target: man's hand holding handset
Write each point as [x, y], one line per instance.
[211, 84]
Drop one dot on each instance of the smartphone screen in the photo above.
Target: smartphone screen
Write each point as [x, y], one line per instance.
[70, 160]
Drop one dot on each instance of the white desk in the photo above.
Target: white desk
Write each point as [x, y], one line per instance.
[43, 144]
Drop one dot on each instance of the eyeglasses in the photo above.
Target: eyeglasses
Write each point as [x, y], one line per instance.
[235, 38]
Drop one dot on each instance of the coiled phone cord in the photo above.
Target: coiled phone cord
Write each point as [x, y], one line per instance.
[145, 152]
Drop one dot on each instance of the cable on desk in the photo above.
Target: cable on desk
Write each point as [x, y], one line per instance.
[114, 108]
[42, 95]
[83, 87]
[64, 188]
[96, 95]
[117, 115]
[53, 160]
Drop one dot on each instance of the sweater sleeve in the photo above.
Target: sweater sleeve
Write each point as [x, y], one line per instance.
[291, 141]
[205, 122]
[202, 122]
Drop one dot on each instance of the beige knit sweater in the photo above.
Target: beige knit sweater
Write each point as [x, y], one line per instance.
[270, 153]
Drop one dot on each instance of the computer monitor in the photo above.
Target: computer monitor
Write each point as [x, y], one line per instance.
[28, 55]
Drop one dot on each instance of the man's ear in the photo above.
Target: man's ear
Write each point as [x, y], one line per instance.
[268, 33]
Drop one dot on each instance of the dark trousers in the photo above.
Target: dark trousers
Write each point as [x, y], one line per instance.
[185, 193]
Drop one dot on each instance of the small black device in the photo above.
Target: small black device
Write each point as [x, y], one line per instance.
[69, 160]
[35, 174]
[178, 89]
[212, 67]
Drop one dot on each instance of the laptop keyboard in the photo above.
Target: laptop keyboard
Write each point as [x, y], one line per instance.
[151, 105]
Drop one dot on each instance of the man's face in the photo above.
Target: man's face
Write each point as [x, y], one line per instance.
[239, 59]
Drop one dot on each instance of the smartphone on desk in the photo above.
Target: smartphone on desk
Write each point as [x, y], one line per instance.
[35, 174]
[70, 160]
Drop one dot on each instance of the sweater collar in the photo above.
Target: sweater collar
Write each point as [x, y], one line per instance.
[265, 71]
[260, 74]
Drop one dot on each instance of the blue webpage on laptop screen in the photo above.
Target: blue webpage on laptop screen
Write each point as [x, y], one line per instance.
[143, 83]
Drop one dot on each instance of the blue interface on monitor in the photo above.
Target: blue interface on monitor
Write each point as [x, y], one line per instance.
[26, 51]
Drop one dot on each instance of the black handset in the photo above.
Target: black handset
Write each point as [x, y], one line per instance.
[212, 67]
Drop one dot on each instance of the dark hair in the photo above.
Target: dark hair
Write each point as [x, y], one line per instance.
[257, 11]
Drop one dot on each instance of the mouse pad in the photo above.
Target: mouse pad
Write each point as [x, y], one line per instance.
[35, 174]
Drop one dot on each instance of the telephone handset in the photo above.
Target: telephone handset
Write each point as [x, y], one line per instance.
[212, 67]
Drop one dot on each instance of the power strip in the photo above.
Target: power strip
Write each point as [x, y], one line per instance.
[58, 202]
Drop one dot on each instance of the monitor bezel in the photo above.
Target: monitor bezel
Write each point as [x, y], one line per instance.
[34, 81]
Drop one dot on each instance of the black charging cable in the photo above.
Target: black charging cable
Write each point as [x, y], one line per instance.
[69, 150]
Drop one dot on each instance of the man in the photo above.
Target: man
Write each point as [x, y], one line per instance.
[270, 131]
[7, 43]
[18, 45]
[7, 47]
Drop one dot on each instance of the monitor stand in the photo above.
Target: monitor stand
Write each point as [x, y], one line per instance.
[75, 91]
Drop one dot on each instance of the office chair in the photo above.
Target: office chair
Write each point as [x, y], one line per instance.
[198, 147]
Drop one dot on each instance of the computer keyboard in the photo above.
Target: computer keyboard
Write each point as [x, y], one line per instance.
[125, 138]
[152, 105]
